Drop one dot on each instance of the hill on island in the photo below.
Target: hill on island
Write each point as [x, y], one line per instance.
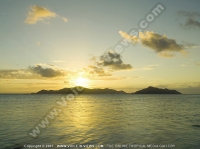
[84, 91]
[154, 90]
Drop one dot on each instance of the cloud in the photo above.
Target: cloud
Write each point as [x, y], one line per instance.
[109, 78]
[59, 61]
[106, 64]
[92, 70]
[192, 23]
[113, 61]
[161, 44]
[191, 20]
[188, 14]
[64, 19]
[38, 13]
[39, 71]
[189, 45]
[47, 72]
[134, 77]
[166, 55]
[191, 63]
[113, 78]
[197, 63]
[16, 74]
[150, 67]
[128, 37]
[184, 65]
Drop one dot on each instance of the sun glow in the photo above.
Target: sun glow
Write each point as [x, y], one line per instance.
[82, 82]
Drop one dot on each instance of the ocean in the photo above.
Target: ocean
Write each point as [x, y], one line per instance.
[100, 121]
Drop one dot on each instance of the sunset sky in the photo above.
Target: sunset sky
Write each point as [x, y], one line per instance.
[55, 44]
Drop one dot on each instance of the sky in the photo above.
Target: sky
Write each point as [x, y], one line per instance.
[55, 44]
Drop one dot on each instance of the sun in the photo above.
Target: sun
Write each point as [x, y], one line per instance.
[82, 82]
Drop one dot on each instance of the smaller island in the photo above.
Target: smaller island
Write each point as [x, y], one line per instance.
[154, 90]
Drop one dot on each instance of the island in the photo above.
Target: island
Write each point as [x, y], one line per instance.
[149, 90]
[83, 91]
[154, 90]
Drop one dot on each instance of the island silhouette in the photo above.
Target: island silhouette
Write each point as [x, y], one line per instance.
[154, 90]
[149, 90]
[83, 91]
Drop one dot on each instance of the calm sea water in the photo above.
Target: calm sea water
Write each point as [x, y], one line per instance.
[103, 120]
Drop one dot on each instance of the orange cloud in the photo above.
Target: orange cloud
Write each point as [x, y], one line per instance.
[38, 13]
